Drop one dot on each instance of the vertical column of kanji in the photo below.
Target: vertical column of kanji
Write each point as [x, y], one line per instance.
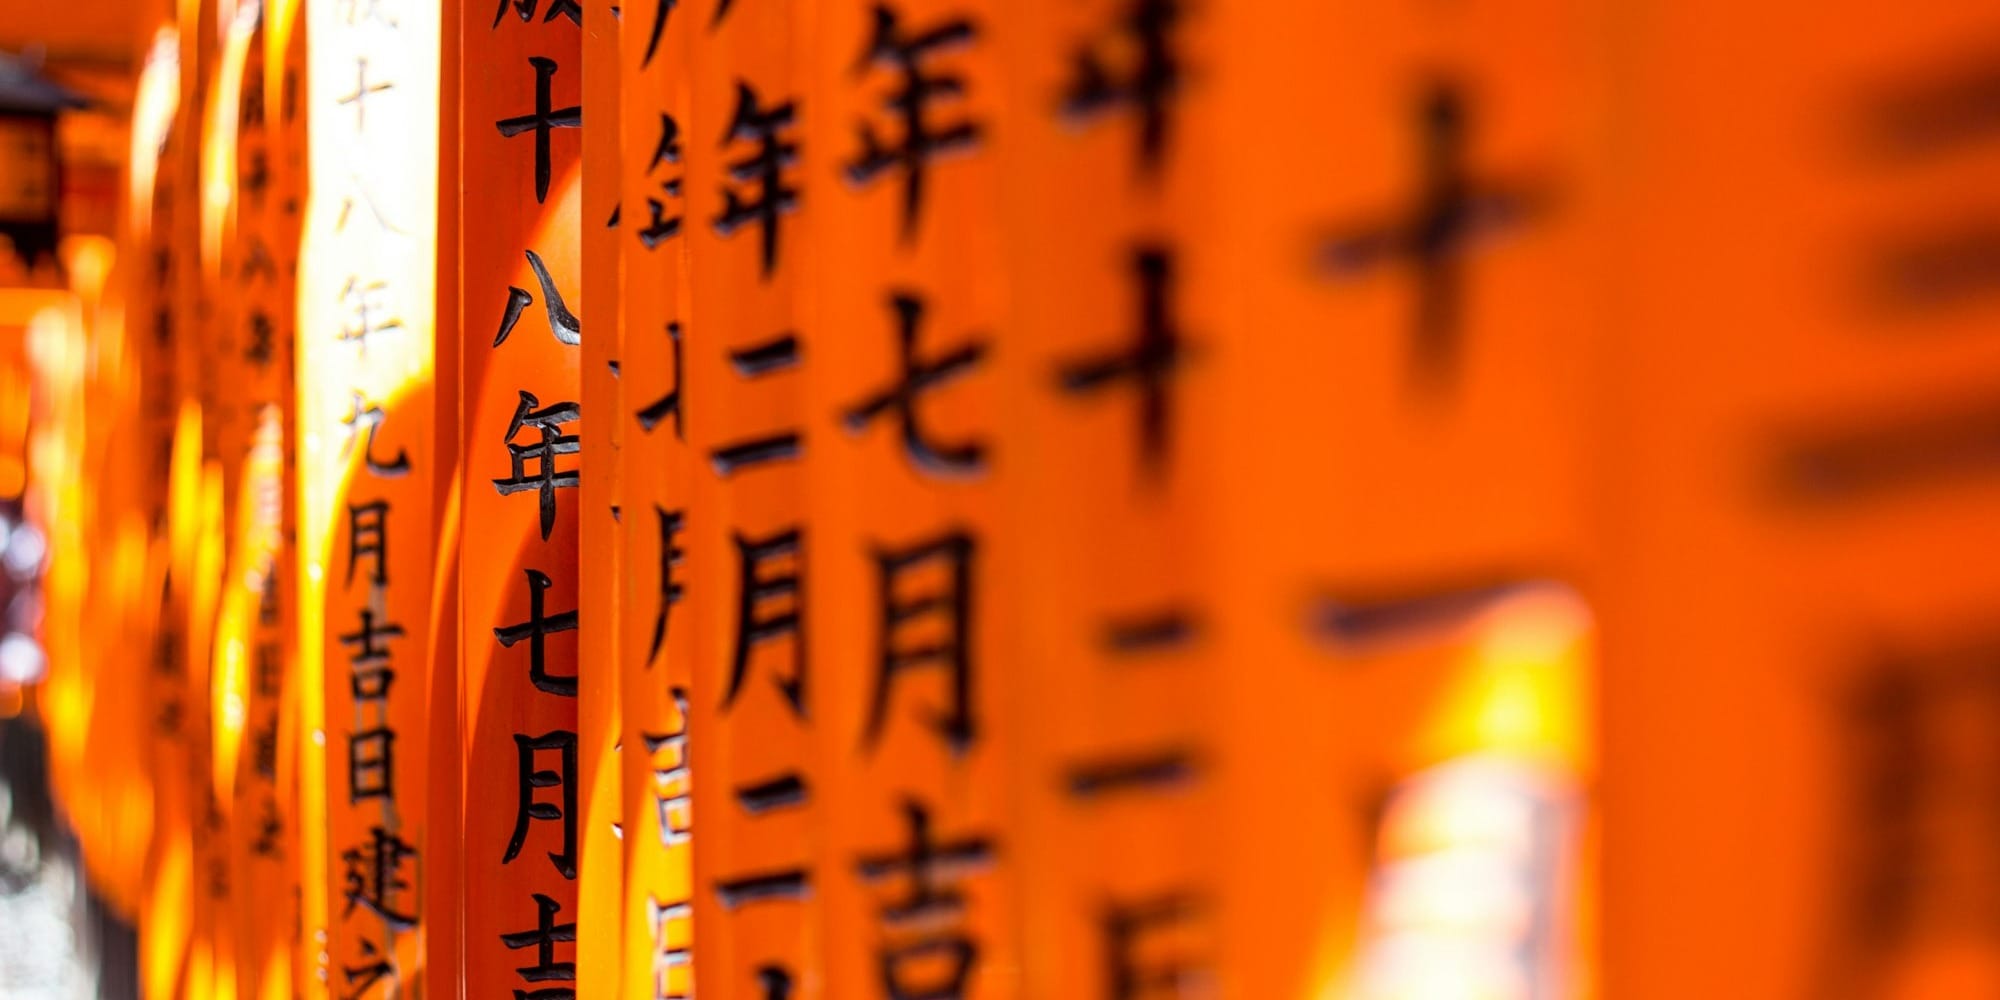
[215, 620]
[301, 759]
[664, 629]
[262, 574]
[195, 490]
[367, 300]
[224, 373]
[914, 690]
[244, 443]
[749, 194]
[521, 107]
[1110, 495]
[219, 615]
[1413, 212]
[600, 517]
[163, 916]
[284, 69]
[1801, 412]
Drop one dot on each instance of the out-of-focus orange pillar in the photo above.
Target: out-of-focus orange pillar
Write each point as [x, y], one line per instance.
[443, 906]
[216, 614]
[600, 518]
[661, 608]
[1409, 219]
[162, 917]
[736, 336]
[301, 755]
[1106, 364]
[302, 805]
[1799, 694]
[253, 650]
[85, 476]
[178, 959]
[48, 384]
[917, 707]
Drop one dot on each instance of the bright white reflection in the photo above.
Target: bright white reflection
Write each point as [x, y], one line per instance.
[25, 549]
[1470, 886]
[21, 659]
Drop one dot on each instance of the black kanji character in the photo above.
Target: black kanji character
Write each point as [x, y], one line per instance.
[920, 915]
[918, 376]
[551, 445]
[661, 8]
[779, 354]
[563, 324]
[270, 831]
[535, 629]
[785, 884]
[911, 104]
[775, 982]
[525, 9]
[1157, 353]
[953, 553]
[1127, 976]
[270, 669]
[375, 877]
[370, 663]
[264, 749]
[256, 177]
[258, 262]
[781, 791]
[543, 939]
[371, 765]
[1154, 771]
[662, 227]
[763, 169]
[544, 117]
[368, 537]
[670, 522]
[263, 339]
[363, 977]
[755, 625]
[531, 778]
[267, 589]
[252, 107]
[1452, 212]
[1149, 84]
[668, 405]
[363, 640]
